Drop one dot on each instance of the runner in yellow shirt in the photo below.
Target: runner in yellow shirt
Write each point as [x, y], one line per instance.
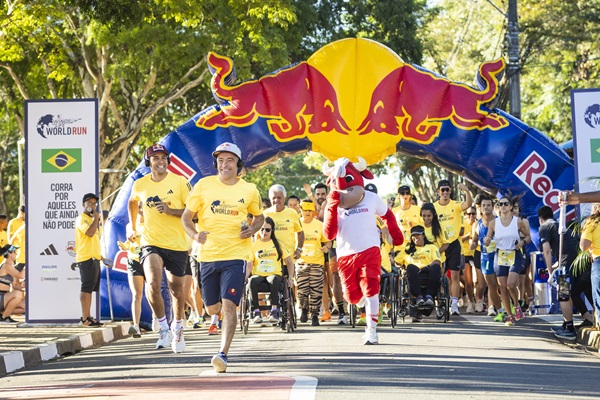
[287, 221]
[222, 203]
[164, 243]
[450, 214]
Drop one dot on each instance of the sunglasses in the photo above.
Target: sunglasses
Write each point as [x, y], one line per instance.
[445, 189]
[404, 193]
[471, 213]
[503, 203]
[265, 229]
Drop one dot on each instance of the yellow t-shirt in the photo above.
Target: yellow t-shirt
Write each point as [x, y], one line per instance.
[221, 210]
[86, 247]
[13, 225]
[451, 218]
[438, 242]
[162, 230]
[465, 244]
[408, 218]
[287, 224]
[313, 237]
[591, 232]
[3, 241]
[422, 256]
[18, 239]
[265, 260]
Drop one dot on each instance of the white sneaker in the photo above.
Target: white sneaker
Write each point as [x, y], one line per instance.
[454, 309]
[165, 337]
[492, 312]
[178, 342]
[370, 336]
[343, 320]
[134, 331]
[470, 308]
[479, 306]
[461, 302]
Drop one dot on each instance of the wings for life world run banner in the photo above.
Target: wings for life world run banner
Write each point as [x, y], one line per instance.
[61, 165]
[356, 97]
[585, 106]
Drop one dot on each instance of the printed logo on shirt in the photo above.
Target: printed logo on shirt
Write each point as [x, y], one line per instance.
[356, 211]
[170, 192]
[151, 201]
[241, 200]
[218, 207]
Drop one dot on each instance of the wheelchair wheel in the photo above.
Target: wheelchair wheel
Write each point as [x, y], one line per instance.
[393, 300]
[289, 309]
[443, 301]
[404, 300]
[352, 313]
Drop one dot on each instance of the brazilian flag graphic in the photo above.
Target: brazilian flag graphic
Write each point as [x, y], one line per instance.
[61, 160]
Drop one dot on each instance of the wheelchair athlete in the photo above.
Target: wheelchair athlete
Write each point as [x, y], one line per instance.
[268, 255]
[422, 260]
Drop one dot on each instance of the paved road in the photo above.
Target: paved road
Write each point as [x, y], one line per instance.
[466, 358]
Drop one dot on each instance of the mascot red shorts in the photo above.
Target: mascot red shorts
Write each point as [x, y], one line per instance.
[360, 274]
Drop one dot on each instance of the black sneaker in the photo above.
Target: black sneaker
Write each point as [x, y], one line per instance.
[566, 334]
[315, 320]
[420, 301]
[304, 315]
[8, 320]
[585, 324]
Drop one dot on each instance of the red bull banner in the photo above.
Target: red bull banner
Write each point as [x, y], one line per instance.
[357, 98]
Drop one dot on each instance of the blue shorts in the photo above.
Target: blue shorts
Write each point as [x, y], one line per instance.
[222, 280]
[517, 267]
[487, 263]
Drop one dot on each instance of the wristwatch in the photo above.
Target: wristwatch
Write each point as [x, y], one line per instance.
[299, 249]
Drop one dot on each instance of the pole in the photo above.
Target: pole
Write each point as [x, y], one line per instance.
[513, 60]
[20, 146]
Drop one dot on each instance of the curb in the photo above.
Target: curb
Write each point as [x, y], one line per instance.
[16, 360]
[589, 338]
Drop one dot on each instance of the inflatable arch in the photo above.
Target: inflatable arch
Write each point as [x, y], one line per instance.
[356, 97]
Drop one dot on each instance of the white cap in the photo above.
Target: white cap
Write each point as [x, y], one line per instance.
[227, 147]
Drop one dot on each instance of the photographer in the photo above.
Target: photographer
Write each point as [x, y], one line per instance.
[12, 298]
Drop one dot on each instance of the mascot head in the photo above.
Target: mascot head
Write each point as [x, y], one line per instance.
[347, 178]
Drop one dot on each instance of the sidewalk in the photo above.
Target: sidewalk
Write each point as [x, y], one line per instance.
[23, 345]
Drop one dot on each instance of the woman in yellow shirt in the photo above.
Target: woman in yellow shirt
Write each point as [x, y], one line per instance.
[268, 255]
[590, 240]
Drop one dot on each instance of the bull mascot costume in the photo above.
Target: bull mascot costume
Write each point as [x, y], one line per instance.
[350, 217]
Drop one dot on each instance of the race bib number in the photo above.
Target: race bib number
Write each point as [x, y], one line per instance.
[506, 258]
[267, 266]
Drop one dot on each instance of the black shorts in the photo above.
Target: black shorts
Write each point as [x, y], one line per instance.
[188, 268]
[474, 260]
[222, 280]
[454, 260]
[525, 263]
[135, 268]
[174, 261]
[89, 271]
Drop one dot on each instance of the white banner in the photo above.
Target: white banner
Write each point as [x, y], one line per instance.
[61, 165]
[585, 106]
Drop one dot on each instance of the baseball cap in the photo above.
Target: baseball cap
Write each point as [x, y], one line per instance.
[155, 148]
[404, 188]
[7, 248]
[417, 230]
[88, 196]
[227, 147]
[443, 183]
[371, 188]
[307, 206]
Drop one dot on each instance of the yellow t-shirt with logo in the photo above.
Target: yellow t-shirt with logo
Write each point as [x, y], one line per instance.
[408, 218]
[313, 237]
[162, 230]
[591, 232]
[221, 211]
[265, 260]
[451, 218]
[422, 256]
[287, 224]
[465, 244]
[438, 242]
[3, 241]
[86, 247]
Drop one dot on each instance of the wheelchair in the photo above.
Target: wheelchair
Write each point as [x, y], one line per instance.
[286, 305]
[408, 303]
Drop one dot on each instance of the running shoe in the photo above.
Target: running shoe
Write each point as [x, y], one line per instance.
[470, 308]
[315, 320]
[454, 309]
[326, 316]
[257, 318]
[499, 317]
[213, 330]
[420, 301]
[165, 337]
[479, 306]
[134, 331]
[566, 334]
[304, 315]
[370, 336]
[9, 320]
[429, 301]
[519, 313]
[510, 320]
[492, 311]
[342, 320]
[461, 302]
[274, 316]
[362, 320]
[178, 342]
[219, 362]
[559, 328]
[585, 324]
